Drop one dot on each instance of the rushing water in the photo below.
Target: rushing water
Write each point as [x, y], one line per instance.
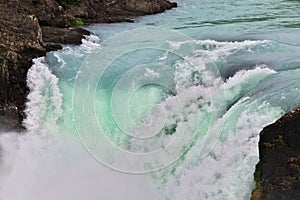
[169, 107]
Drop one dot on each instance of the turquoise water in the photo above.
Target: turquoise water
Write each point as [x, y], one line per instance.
[169, 107]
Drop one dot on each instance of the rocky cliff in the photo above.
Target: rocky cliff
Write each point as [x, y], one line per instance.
[277, 174]
[30, 28]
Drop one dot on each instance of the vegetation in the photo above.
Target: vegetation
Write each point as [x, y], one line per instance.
[74, 21]
[78, 22]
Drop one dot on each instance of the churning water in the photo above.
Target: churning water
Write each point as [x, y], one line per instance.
[169, 107]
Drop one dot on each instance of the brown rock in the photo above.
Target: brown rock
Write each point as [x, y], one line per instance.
[278, 171]
[146, 6]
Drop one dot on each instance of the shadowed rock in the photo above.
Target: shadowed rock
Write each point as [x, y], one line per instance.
[277, 174]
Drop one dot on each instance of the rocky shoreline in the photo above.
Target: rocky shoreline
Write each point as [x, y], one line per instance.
[277, 174]
[31, 28]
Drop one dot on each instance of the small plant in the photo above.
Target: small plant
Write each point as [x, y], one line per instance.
[78, 22]
[74, 21]
[280, 138]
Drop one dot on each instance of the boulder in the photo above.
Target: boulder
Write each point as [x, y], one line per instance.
[277, 174]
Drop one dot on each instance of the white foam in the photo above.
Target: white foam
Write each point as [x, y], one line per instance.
[245, 80]
[230, 145]
[90, 43]
[215, 50]
[59, 59]
[58, 169]
[44, 100]
[212, 177]
[258, 72]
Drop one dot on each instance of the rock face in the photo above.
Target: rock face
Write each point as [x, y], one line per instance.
[277, 174]
[30, 28]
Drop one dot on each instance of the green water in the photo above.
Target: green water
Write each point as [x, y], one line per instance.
[175, 101]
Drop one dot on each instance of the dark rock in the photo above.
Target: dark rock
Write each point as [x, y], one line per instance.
[9, 121]
[109, 11]
[146, 6]
[53, 36]
[20, 41]
[30, 28]
[277, 174]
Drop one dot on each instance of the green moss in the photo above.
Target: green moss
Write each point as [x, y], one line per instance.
[74, 21]
[17, 86]
[280, 138]
[78, 22]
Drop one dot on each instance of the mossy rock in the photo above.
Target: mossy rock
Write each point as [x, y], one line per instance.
[74, 21]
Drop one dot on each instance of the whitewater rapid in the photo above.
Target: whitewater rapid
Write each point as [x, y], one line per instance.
[169, 108]
[50, 162]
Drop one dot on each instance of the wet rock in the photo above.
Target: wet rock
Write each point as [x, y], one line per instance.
[53, 36]
[20, 41]
[277, 174]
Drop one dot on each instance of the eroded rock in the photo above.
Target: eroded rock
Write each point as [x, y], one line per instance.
[278, 172]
